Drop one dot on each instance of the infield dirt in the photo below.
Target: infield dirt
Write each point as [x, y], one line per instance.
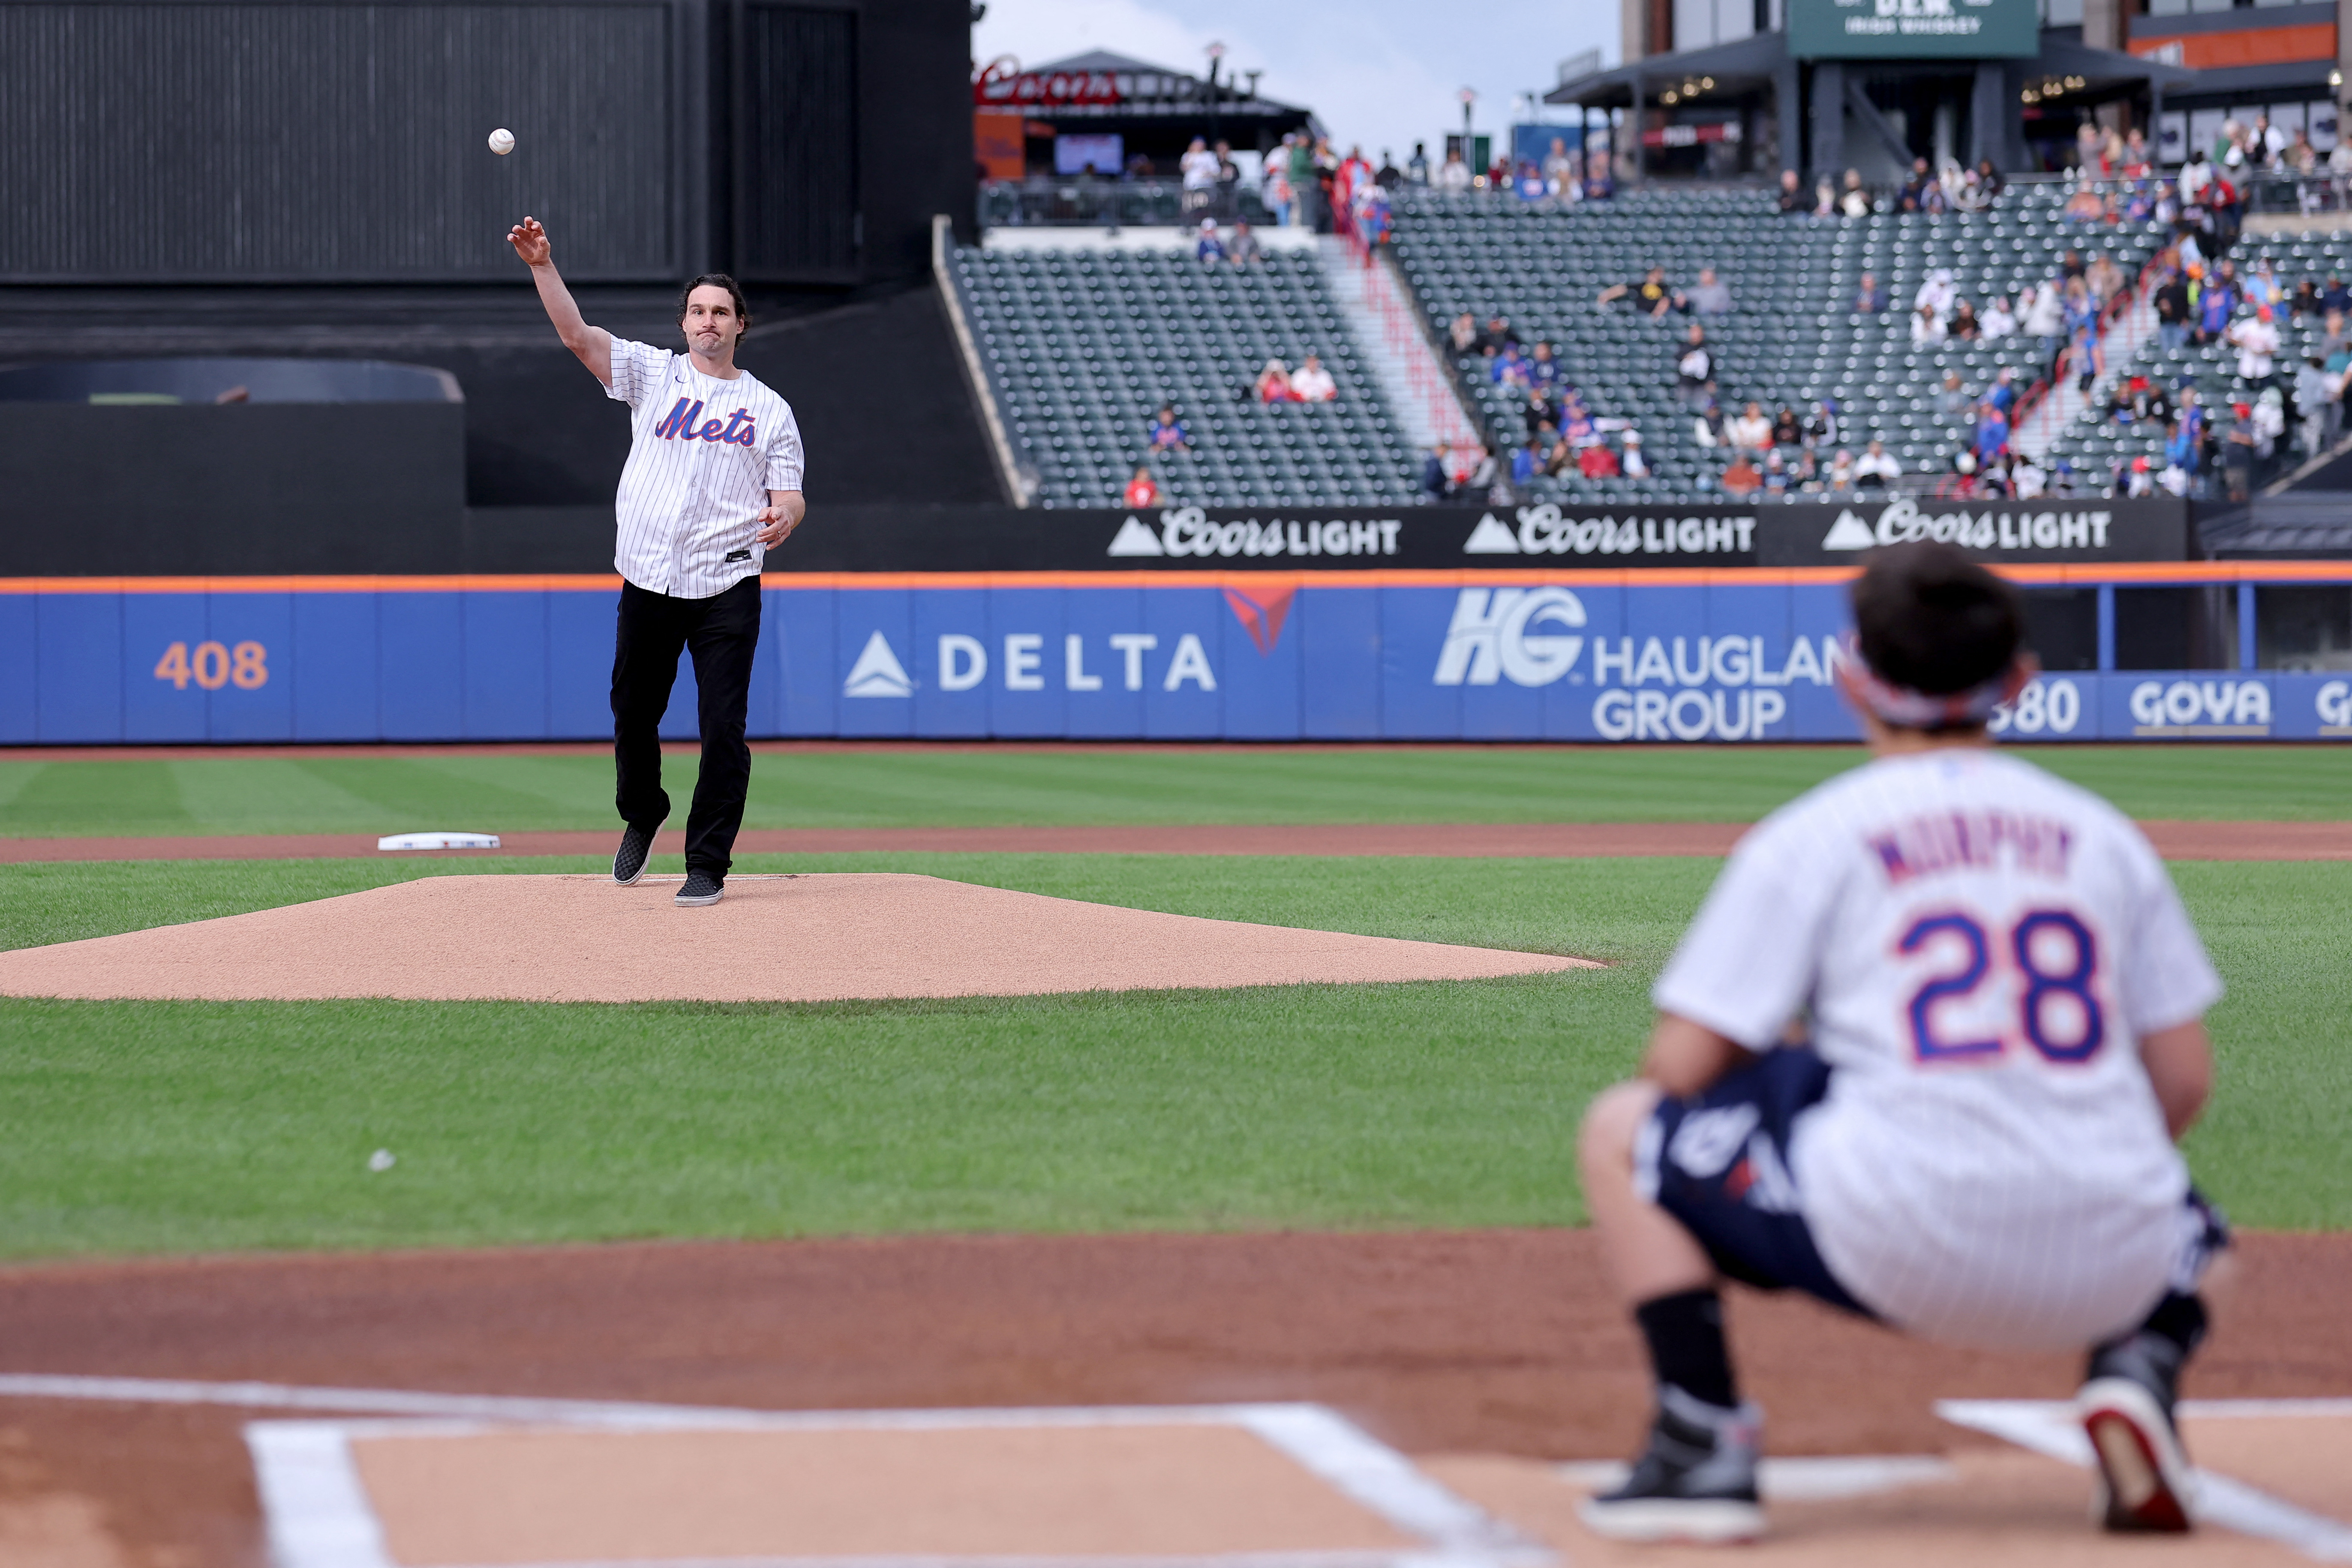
[1496, 1342]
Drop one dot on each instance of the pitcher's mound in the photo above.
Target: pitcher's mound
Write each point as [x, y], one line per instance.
[772, 939]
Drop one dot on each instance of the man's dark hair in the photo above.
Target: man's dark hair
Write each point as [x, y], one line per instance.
[716, 281]
[1929, 618]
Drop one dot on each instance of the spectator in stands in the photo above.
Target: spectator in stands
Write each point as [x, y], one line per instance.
[1870, 299]
[1826, 199]
[1455, 177]
[1416, 168]
[2316, 395]
[1952, 399]
[1577, 429]
[1559, 171]
[1508, 369]
[1542, 409]
[1707, 426]
[1821, 429]
[1498, 335]
[1915, 187]
[1649, 295]
[2084, 360]
[1199, 167]
[1389, 177]
[2072, 265]
[1751, 431]
[1209, 248]
[1936, 293]
[2335, 296]
[1464, 333]
[1543, 368]
[1777, 477]
[2044, 315]
[1788, 430]
[2002, 392]
[1436, 483]
[1927, 328]
[1229, 182]
[1313, 384]
[2086, 205]
[1992, 433]
[1741, 480]
[1877, 469]
[1167, 433]
[1528, 462]
[1839, 480]
[1142, 490]
[2262, 284]
[1274, 383]
[1598, 462]
[2305, 302]
[2257, 342]
[2238, 452]
[1242, 249]
[1709, 296]
[1635, 465]
[1999, 321]
[1963, 325]
[2104, 279]
[1792, 195]
[1483, 470]
[2172, 312]
[1696, 369]
[1855, 200]
[1989, 180]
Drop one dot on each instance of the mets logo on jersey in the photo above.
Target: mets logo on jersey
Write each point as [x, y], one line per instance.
[685, 423]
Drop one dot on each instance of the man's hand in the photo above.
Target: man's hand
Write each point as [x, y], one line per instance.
[530, 242]
[779, 517]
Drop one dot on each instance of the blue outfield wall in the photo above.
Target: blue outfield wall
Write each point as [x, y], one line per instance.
[1238, 660]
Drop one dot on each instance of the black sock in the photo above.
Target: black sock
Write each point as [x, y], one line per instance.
[2179, 1320]
[1685, 1331]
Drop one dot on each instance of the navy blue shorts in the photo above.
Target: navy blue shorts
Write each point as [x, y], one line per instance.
[1719, 1163]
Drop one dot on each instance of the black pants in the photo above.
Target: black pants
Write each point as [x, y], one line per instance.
[722, 633]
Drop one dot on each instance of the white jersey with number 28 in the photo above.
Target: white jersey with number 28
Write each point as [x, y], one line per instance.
[1981, 948]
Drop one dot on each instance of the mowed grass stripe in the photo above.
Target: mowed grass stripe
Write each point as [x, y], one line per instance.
[190, 1126]
[227, 793]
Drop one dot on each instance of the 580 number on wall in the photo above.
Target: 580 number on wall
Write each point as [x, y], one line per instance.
[212, 665]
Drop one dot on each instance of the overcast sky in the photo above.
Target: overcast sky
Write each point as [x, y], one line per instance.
[1386, 73]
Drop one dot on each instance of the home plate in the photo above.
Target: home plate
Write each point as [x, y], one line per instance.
[1265, 1485]
[771, 938]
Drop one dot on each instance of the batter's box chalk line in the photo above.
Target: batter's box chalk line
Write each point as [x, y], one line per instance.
[2049, 1428]
[318, 1514]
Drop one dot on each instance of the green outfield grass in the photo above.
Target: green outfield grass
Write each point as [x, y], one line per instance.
[514, 793]
[187, 1127]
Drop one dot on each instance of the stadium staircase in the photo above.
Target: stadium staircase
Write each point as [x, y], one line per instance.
[1399, 353]
[1791, 339]
[2096, 444]
[1081, 347]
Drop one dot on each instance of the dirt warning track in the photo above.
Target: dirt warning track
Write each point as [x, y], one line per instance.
[2174, 840]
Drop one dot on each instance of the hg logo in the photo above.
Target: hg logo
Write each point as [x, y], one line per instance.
[1494, 633]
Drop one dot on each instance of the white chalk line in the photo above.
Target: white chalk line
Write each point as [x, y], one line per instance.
[319, 1517]
[2049, 1428]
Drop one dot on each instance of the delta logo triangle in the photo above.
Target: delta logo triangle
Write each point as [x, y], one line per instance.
[1848, 532]
[1261, 612]
[1134, 539]
[877, 672]
[1491, 538]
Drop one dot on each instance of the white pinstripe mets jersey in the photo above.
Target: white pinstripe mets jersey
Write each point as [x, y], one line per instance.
[704, 453]
[1980, 947]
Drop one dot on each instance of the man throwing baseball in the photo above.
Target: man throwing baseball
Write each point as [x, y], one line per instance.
[1922, 1055]
[713, 480]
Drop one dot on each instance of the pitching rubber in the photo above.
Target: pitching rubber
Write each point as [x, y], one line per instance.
[2146, 1482]
[1707, 1521]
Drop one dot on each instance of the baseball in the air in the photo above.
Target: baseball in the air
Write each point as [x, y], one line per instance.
[502, 142]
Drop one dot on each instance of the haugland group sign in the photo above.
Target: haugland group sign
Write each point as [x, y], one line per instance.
[1913, 29]
[1180, 540]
